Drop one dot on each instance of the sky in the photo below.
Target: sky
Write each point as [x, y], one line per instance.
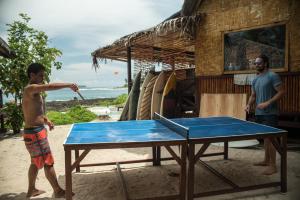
[78, 27]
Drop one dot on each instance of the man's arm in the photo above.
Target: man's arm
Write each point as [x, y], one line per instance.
[276, 97]
[37, 88]
[250, 101]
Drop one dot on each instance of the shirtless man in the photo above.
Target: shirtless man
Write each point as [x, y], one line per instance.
[35, 133]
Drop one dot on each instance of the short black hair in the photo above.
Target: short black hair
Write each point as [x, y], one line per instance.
[265, 59]
[34, 68]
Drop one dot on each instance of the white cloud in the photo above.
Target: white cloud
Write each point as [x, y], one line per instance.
[78, 27]
[110, 75]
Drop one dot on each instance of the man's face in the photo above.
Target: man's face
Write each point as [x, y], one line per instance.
[259, 64]
[39, 77]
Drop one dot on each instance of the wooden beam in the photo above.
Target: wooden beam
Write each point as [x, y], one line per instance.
[129, 81]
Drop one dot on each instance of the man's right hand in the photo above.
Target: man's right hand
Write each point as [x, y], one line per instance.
[247, 109]
[74, 87]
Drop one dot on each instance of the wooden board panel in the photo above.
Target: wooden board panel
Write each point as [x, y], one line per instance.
[223, 104]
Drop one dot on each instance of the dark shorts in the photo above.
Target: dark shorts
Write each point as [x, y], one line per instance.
[36, 143]
[269, 120]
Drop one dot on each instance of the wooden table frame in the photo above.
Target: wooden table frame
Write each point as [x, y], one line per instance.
[279, 140]
[181, 160]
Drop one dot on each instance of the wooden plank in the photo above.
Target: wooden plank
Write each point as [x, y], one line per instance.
[223, 105]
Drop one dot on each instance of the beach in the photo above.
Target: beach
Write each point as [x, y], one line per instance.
[143, 180]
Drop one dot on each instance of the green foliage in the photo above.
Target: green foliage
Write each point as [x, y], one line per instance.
[75, 115]
[106, 102]
[14, 116]
[80, 114]
[121, 99]
[59, 118]
[30, 46]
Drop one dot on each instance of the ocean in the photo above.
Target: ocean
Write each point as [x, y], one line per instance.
[87, 93]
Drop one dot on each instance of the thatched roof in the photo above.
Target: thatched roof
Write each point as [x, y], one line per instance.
[190, 6]
[171, 41]
[5, 51]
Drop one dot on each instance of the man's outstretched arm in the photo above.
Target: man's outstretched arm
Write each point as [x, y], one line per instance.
[37, 88]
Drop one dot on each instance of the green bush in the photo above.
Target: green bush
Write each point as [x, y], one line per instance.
[105, 102]
[120, 99]
[76, 114]
[80, 114]
[59, 118]
[14, 116]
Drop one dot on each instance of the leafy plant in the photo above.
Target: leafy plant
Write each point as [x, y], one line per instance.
[80, 114]
[30, 46]
[14, 116]
[121, 99]
[59, 118]
[75, 115]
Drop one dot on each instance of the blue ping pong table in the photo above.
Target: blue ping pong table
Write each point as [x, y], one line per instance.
[185, 132]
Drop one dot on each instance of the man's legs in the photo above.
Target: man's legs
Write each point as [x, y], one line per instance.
[32, 174]
[266, 160]
[272, 159]
[51, 176]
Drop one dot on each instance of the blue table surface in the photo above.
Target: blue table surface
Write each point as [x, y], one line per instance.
[118, 132]
[213, 127]
[151, 130]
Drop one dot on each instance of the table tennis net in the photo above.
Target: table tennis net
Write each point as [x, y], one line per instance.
[181, 130]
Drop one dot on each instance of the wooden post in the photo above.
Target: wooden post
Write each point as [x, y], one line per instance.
[191, 171]
[68, 174]
[76, 157]
[129, 81]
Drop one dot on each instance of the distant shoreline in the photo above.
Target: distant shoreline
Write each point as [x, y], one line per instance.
[63, 105]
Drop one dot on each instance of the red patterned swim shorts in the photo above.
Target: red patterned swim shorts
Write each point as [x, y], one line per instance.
[38, 147]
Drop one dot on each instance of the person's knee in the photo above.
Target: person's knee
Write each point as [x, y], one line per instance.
[46, 166]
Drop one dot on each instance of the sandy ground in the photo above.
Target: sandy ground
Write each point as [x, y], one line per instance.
[143, 180]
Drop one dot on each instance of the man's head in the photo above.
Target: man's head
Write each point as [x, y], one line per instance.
[35, 73]
[261, 63]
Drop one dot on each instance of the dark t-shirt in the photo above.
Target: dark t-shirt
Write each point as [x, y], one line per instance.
[264, 87]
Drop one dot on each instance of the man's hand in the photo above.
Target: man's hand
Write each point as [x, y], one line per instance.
[74, 87]
[263, 105]
[247, 109]
[49, 123]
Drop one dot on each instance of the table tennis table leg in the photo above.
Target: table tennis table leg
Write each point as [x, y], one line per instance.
[191, 171]
[283, 167]
[68, 174]
[76, 157]
[158, 155]
[226, 150]
[154, 155]
[183, 172]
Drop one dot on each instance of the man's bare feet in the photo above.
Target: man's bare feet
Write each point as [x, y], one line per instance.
[263, 163]
[270, 170]
[34, 193]
[61, 194]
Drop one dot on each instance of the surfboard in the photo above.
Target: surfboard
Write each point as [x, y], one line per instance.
[134, 97]
[124, 114]
[145, 110]
[168, 102]
[158, 89]
[148, 77]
